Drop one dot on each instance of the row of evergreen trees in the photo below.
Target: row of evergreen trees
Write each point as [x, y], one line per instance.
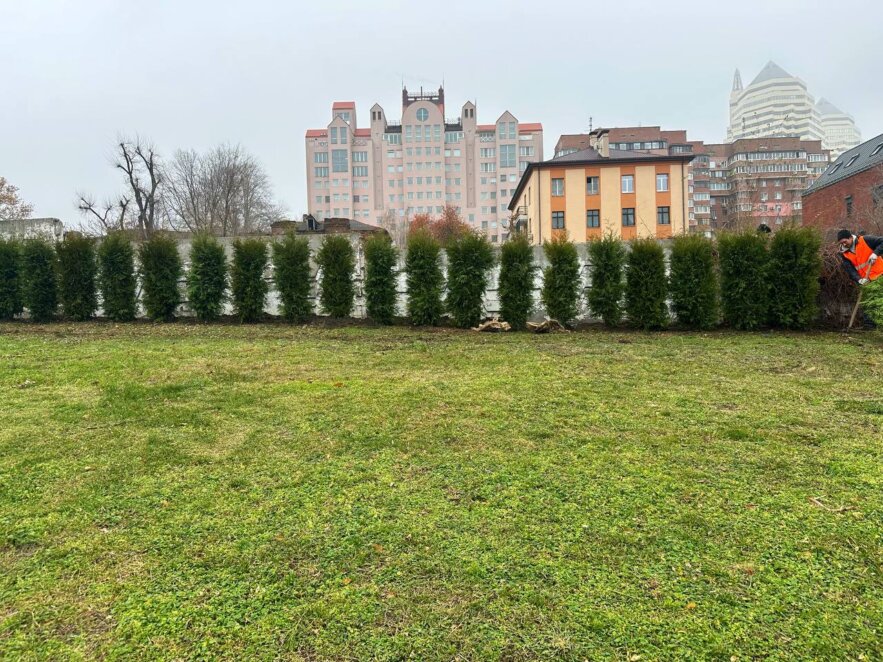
[747, 279]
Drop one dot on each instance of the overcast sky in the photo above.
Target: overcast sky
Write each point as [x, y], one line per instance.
[194, 74]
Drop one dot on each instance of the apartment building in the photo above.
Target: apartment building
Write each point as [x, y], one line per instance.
[594, 191]
[419, 163]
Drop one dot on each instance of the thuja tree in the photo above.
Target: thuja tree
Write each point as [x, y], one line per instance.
[247, 279]
[795, 265]
[425, 280]
[606, 261]
[561, 280]
[116, 277]
[515, 288]
[693, 281]
[207, 278]
[77, 273]
[645, 285]
[160, 272]
[10, 279]
[381, 258]
[39, 288]
[291, 268]
[744, 289]
[872, 301]
[470, 259]
[337, 262]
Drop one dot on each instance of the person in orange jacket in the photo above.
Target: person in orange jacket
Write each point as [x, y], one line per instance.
[861, 256]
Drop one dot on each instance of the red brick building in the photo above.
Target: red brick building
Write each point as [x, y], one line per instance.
[850, 192]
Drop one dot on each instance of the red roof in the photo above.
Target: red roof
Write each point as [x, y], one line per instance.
[362, 133]
[530, 127]
[486, 127]
[317, 133]
[339, 105]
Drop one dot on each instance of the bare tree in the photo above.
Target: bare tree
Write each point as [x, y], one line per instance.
[103, 218]
[11, 205]
[396, 226]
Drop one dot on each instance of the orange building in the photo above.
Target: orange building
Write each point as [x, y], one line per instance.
[593, 192]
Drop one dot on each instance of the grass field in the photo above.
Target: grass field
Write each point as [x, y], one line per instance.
[181, 492]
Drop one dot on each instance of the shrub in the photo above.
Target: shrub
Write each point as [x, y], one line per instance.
[743, 267]
[291, 267]
[795, 265]
[516, 281]
[837, 291]
[39, 288]
[207, 279]
[116, 277]
[561, 280]
[247, 279]
[693, 281]
[337, 261]
[470, 258]
[10, 279]
[607, 257]
[160, 272]
[381, 258]
[646, 288]
[872, 301]
[424, 279]
[77, 271]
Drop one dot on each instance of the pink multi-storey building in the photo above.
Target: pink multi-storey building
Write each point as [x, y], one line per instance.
[419, 164]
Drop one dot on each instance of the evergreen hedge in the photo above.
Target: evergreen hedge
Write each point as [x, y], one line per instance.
[381, 258]
[743, 279]
[337, 262]
[425, 280]
[470, 258]
[607, 258]
[561, 280]
[160, 272]
[872, 301]
[646, 288]
[247, 279]
[116, 277]
[291, 267]
[795, 265]
[693, 281]
[39, 287]
[77, 273]
[516, 281]
[207, 279]
[10, 279]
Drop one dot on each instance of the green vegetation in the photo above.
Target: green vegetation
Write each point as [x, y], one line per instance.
[207, 279]
[743, 274]
[160, 272]
[646, 288]
[693, 281]
[116, 277]
[337, 262]
[247, 283]
[561, 281]
[291, 267]
[39, 286]
[872, 301]
[77, 273]
[515, 289]
[219, 492]
[470, 259]
[10, 279]
[607, 258]
[381, 260]
[794, 269]
[425, 279]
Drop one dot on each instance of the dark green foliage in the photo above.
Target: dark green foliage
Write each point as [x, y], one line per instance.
[561, 281]
[10, 279]
[424, 279]
[116, 277]
[207, 279]
[247, 279]
[872, 301]
[337, 261]
[77, 273]
[516, 281]
[39, 287]
[646, 287]
[381, 258]
[160, 272]
[795, 265]
[744, 288]
[607, 258]
[693, 281]
[291, 266]
[470, 258]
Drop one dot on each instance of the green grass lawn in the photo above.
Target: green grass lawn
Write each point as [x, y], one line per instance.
[274, 492]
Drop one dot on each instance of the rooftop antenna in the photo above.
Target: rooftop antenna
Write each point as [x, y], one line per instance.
[590, 123]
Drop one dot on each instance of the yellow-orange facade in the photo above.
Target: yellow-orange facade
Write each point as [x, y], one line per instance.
[583, 201]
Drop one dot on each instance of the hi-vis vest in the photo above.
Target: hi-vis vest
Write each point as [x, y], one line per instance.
[860, 257]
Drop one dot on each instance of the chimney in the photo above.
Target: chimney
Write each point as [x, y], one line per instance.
[599, 140]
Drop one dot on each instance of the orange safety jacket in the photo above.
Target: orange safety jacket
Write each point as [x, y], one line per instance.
[859, 259]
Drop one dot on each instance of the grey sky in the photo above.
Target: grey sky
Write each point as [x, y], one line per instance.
[258, 73]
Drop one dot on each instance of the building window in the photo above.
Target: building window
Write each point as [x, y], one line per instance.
[662, 182]
[343, 140]
[320, 157]
[360, 157]
[593, 218]
[485, 167]
[332, 132]
[485, 152]
[321, 172]
[339, 160]
[663, 215]
[507, 156]
[591, 186]
[525, 150]
[422, 114]
[360, 171]
[628, 217]
[557, 187]
[628, 183]
[557, 220]
[848, 206]
[851, 161]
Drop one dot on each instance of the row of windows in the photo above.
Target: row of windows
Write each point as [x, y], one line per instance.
[593, 217]
[627, 184]
[341, 197]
